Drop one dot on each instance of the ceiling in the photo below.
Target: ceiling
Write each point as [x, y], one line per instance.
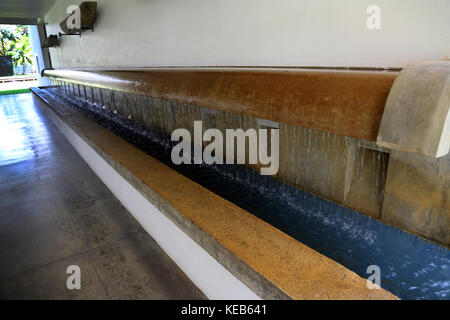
[23, 11]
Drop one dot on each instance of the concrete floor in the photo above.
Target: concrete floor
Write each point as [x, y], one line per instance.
[55, 212]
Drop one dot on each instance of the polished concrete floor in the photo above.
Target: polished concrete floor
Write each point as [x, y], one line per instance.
[55, 213]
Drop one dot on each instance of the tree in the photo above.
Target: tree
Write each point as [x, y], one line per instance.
[15, 42]
[22, 54]
[7, 39]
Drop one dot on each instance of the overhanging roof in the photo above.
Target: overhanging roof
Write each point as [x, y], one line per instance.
[23, 11]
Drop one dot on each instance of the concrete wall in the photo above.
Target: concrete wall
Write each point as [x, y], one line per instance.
[139, 33]
[417, 195]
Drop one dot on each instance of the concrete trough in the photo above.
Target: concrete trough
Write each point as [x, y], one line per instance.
[331, 170]
[227, 252]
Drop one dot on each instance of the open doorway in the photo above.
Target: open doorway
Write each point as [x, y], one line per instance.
[18, 70]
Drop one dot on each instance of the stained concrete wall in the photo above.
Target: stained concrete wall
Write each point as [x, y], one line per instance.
[416, 117]
[136, 33]
[417, 195]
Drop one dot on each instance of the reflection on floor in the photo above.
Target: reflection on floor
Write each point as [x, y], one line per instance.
[55, 212]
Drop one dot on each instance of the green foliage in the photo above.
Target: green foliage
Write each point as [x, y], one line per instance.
[15, 41]
[7, 41]
[22, 53]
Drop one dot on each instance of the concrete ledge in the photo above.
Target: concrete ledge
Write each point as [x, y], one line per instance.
[349, 103]
[227, 251]
[417, 115]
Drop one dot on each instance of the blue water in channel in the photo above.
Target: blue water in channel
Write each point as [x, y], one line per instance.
[411, 267]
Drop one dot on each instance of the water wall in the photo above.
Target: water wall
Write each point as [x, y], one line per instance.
[328, 120]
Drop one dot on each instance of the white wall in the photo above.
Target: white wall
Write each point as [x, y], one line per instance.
[139, 33]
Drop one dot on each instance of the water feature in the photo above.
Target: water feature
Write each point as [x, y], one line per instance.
[411, 267]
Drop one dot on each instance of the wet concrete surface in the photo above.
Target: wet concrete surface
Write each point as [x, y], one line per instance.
[55, 212]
